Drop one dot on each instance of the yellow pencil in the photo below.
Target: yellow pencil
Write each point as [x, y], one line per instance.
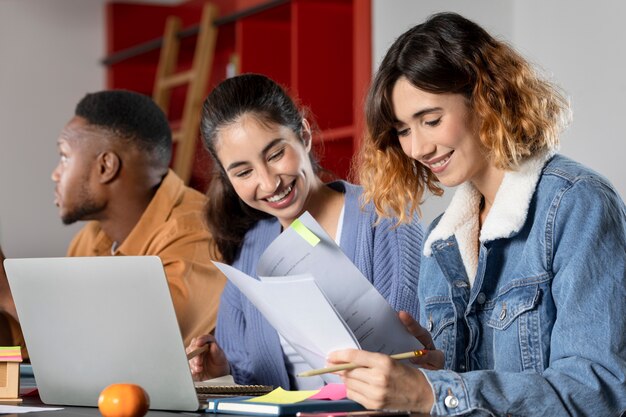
[348, 366]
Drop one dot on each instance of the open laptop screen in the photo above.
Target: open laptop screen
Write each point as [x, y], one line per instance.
[92, 321]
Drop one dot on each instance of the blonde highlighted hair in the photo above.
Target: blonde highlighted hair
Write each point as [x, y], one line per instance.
[519, 113]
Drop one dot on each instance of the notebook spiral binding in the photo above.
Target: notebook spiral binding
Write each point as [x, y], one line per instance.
[233, 389]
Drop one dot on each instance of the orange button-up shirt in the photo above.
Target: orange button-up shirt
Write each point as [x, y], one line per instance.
[173, 228]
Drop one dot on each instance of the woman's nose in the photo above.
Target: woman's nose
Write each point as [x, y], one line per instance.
[269, 182]
[420, 147]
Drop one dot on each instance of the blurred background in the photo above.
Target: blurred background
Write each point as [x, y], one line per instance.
[52, 52]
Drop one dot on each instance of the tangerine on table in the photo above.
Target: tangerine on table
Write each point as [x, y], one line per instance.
[123, 400]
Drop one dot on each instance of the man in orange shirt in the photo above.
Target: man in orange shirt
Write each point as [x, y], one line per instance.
[113, 171]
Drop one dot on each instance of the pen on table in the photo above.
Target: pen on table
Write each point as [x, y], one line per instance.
[348, 366]
[198, 351]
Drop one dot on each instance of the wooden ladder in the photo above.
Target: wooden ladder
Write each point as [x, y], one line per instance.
[195, 78]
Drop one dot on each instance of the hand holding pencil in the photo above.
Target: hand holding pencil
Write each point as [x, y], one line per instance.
[379, 381]
[427, 358]
[349, 366]
[206, 359]
[192, 354]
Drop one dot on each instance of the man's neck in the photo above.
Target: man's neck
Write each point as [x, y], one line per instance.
[124, 213]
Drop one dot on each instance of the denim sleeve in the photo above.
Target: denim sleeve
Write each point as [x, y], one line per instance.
[585, 249]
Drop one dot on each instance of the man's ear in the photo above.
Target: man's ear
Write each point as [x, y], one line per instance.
[307, 137]
[108, 165]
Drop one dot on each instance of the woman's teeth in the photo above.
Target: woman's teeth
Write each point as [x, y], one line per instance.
[278, 197]
[440, 163]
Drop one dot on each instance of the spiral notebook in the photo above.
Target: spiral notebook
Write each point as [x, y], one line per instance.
[226, 387]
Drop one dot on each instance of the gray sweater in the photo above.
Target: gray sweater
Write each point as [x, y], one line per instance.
[388, 256]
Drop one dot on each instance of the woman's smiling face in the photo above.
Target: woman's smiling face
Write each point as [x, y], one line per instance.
[268, 165]
[439, 131]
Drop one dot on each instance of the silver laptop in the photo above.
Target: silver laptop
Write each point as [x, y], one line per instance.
[93, 321]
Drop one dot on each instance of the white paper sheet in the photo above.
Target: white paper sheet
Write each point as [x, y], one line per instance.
[372, 320]
[18, 409]
[318, 300]
[299, 311]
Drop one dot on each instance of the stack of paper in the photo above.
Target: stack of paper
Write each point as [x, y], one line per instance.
[10, 354]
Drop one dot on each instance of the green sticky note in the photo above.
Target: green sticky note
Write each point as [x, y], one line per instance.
[305, 233]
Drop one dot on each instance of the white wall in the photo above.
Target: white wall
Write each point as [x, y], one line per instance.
[49, 53]
[579, 45]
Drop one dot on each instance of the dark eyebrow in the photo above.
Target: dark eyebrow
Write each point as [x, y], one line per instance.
[422, 112]
[263, 152]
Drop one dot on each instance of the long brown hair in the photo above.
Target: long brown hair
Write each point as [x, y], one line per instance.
[228, 217]
[519, 113]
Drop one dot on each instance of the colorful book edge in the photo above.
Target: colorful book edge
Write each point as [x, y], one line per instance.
[238, 405]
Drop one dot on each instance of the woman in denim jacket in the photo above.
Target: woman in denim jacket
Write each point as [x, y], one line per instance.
[522, 282]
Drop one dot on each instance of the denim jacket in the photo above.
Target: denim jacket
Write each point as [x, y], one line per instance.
[530, 310]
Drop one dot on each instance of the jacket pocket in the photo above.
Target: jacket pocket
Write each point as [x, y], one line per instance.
[516, 326]
[439, 322]
[509, 306]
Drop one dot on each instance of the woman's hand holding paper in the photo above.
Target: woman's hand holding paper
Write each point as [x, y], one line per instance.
[433, 359]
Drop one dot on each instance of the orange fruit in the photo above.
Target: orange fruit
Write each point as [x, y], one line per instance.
[123, 400]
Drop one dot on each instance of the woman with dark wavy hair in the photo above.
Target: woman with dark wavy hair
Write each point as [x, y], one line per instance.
[264, 178]
[523, 278]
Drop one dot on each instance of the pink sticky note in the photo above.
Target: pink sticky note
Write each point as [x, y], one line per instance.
[330, 392]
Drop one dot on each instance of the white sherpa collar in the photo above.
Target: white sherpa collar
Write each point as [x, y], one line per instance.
[507, 215]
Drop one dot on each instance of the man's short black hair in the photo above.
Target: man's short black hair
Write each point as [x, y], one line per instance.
[132, 117]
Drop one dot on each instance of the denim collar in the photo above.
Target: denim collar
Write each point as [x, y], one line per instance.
[506, 217]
